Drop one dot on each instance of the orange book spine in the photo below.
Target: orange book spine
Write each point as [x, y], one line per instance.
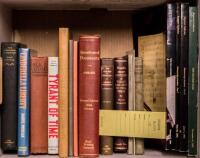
[63, 91]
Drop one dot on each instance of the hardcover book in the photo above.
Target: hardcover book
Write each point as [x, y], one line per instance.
[70, 132]
[53, 105]
[89, 95]
[9, 53]
[193, 81]
[107, 99]
[23, 101]
[121, 97]
[75, 99]
[171, 73]
[39, 105]
[1, 78]
[183, 100]
[63, 93]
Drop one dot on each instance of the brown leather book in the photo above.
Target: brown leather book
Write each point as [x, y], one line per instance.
[63, 91]
[1, 68]
[107, 90]
[75, 99]
[89, 95]
[121, 97]
[39, 105]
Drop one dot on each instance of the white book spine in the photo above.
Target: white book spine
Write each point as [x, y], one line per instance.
[53, 105]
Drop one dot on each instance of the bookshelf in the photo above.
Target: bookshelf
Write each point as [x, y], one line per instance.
[36, 22]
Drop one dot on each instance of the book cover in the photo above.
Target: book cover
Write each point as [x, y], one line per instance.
[75, 99]
[121, 97]
[107, 99]
[193, 81]
[63, 93]
[1, 78]
[39, 105]
[171, 73]
[131, 94]
[89, 95]
[23, 101]
[183, 100]
[139, 100]
[53, 105]
[70, 132]
[9, 53]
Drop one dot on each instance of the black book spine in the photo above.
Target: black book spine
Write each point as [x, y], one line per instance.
[171, 73]
[184, 77]
[9, 108]
[178, 48]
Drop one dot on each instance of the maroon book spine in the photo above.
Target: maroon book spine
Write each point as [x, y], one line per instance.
[121, 97]
[89, 95]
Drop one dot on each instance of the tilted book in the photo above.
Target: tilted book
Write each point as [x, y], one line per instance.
[193, 81]
[53, 105]
[39, 105]
[183, 100]
[89, 95]
[9, 51]
[121, 97]
[63, 93]
[171, 73]
[23, 101]
[107, 99]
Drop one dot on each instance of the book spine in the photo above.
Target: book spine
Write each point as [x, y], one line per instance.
[171, 73]
[131, 94]
[139, 100]
[63, 91]
[1, 78]
[121, 97]
[193, 81]
[39, 105]
[23, 108]
[70, 132]
[10, 90]
[89, 95]
[178, 48]
[107, 90]
[75, 98]
[184, 77]
[53, 105]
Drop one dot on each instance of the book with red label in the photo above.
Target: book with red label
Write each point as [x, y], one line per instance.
[39, 104]
[89, 95]
[52, 105]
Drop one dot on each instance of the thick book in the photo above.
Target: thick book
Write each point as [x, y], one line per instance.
[131, 94]
[53, 105]
[39, 105]
[70, 132]
[139, 100]
[178, 48]
[107, 100]
[1, 78]
[89, 95]
[171, 74]
[63, 91]
[193, 81]
[75, 99]
[23, 101]
[121, 97]
[183, 99]
[9, 53]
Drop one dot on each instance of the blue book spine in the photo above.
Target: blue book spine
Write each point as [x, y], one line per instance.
[23, 107]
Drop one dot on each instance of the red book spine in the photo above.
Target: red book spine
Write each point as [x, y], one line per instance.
[89, 95]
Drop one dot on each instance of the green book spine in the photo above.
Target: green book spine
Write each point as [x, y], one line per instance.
[193, 81]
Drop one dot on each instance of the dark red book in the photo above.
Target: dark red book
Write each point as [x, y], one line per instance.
[89, 95]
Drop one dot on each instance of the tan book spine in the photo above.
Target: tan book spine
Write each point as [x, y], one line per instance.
[63, 91]
[139, 143]
[1, 66]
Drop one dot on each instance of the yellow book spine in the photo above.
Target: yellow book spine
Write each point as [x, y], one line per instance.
[63, 91]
